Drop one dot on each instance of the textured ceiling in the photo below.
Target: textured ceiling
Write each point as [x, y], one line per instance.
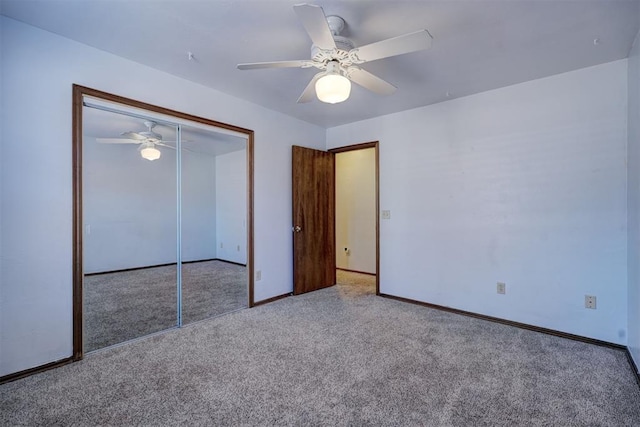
[478, 45]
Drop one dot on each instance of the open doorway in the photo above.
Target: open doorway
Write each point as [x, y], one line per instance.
[314, 225]
[357, 217]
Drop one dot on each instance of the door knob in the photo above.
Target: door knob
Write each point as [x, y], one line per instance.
[297, 228]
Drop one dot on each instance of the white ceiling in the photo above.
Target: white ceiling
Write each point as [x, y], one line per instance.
[478, 45]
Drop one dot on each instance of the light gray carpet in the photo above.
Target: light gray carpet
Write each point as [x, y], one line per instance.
[337, 357]
[362, 283]
[125, 305]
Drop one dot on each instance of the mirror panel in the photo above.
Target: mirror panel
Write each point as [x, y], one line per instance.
[129, 228]
[214, 232]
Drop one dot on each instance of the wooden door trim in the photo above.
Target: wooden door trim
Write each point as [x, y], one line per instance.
[250, 175]
[362, 146]
[35, 370]
[79, 92]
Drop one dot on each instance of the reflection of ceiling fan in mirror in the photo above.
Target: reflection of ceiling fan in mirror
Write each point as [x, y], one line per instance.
[148, 141]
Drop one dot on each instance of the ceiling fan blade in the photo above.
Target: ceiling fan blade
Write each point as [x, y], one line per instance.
[276, 64]
[116, 141]
[407, 43]
[315, 22]
[162, 144]
[309, 92]
[369, 81]
[134, 135]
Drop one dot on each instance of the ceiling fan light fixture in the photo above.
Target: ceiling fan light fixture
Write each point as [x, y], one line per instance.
[333, 87]
[150, 152]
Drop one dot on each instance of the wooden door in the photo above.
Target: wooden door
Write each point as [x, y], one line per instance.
[314, 257]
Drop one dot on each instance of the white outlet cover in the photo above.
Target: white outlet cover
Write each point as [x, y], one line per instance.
[590, 301]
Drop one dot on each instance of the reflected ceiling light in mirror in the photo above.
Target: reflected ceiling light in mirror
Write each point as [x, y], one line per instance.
[149, 151]
[333, 87]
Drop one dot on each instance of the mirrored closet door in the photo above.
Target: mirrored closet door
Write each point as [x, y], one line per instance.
[214, 234]
[165, 235]
[130, 228]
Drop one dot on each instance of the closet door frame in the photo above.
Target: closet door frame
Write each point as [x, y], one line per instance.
[79, 93]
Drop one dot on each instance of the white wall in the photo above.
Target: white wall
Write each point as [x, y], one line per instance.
[198, 206]
[356, 210]
[633, 201]
[38, 70]
[231, 200]
[525, 185]
[129, 207]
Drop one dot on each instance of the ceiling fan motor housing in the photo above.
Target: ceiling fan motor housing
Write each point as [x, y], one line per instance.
[343, 43]
[149, 133]
[151, 136]
[344, 46]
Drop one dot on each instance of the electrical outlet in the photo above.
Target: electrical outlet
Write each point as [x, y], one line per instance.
[590, 301]
[386, 214]
[258, 275]
[238, 248]
[221, 245]
[501, 288]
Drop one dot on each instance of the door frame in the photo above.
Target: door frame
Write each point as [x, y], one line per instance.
[362, 146]
[79, 92]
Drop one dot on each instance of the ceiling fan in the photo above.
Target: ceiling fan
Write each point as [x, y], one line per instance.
[338, 58]
[147, 140]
